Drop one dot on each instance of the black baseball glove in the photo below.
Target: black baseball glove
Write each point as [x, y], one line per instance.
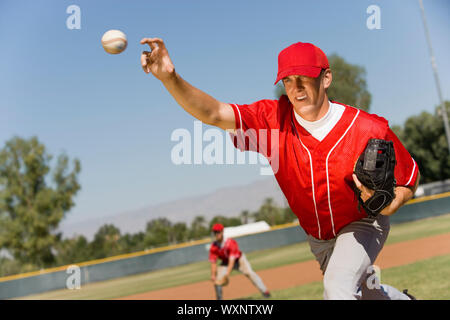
[375, 170]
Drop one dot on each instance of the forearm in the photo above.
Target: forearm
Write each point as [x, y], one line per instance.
[402, 195]
[196, 102]
[230, 266]
[213, 269]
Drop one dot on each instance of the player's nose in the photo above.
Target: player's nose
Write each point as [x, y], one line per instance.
[299, 84]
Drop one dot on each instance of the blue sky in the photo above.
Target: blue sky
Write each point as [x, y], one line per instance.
[60, 85]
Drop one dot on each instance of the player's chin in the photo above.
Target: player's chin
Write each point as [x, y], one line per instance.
[304, 104]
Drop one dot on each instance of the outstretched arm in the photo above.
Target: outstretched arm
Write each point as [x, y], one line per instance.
[196, 102]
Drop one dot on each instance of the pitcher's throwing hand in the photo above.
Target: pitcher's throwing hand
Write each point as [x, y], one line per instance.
[157, 61]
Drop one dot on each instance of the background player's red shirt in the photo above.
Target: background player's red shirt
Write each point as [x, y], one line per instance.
[316, 176]
[229, 248]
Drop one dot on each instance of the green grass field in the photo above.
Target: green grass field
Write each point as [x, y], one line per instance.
[426, 280]
[262, 259]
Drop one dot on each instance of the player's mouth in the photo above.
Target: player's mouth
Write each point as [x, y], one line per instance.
[300, 98]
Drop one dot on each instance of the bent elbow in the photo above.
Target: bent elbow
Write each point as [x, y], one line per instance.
[218, 118]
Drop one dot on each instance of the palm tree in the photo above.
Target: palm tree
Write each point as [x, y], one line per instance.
[198, 227]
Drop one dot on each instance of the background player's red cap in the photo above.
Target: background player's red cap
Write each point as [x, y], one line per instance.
[217, 227]
[301, 58]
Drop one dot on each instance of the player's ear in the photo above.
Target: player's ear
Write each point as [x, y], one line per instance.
[327, 78]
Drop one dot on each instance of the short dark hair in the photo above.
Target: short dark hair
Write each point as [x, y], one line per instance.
[322, 72]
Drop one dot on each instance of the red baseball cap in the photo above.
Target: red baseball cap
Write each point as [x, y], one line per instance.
[303, 59]
[217, 227]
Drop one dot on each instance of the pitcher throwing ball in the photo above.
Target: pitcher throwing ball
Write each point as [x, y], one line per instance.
[322, 148]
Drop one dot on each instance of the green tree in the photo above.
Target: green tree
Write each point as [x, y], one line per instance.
[157, 232]
[106, 242]
[10, 266]
[270, 213]
[72, 250]
[33, 199]
[132, 242]
[198, 228]
[288, 215]
[349, 84]
[424, 137]
[226, 221]
[178, 233]
[267, 212]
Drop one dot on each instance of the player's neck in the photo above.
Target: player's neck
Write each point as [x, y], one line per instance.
[314, 113]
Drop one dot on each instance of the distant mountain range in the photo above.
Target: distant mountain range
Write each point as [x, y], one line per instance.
[227, 202]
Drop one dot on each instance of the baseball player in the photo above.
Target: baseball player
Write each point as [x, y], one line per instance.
[318, 145]
[227, 250]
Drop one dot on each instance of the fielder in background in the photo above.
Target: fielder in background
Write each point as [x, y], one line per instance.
[227, 250]
[319, 149]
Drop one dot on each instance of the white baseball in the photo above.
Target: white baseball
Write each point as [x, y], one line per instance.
[114, 41]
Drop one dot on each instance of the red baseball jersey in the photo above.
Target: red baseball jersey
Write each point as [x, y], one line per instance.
[228, 249]
[316, 176]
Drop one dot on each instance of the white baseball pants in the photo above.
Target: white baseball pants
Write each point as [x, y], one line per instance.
[347, 261]
[244, 266]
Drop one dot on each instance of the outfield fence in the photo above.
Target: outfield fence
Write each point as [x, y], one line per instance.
[171, 256]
